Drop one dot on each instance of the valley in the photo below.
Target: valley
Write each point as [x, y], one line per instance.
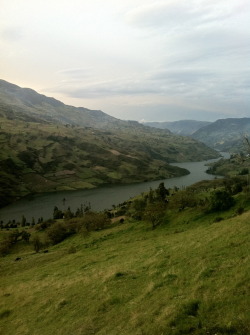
[81, 149]
[157, 260]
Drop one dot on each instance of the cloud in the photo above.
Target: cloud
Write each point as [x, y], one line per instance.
[132, 57]
[109, 88]
[176, 14]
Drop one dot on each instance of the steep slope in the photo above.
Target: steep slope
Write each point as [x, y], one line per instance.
[178, 279]
[182, 127]
[43, 150]
[225, 134]
[41, 157]
[25, 102]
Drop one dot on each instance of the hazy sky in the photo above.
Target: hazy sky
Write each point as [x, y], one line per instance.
[133, 59]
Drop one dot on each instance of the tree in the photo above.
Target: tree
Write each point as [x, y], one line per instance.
[23, 222]
[183, 199]
[25, 236]
[58, 232]
[57, 214]
[221, 200]
[37, 243]
[154, 213]
[68, 214]
[139, 207]
[161, 192]
[95, 221]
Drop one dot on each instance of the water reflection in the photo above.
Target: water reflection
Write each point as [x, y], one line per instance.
[101, 198]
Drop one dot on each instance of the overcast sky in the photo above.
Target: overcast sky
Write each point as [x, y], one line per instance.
[133, 59]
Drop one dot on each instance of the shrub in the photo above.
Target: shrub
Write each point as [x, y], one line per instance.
[183, 199]
[154, 213]
[37, 243]
[5, 247]
[95, 221]
[221, 200]
[240, 210]
[58, 232]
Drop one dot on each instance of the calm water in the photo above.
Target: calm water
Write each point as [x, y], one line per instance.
[101, 198]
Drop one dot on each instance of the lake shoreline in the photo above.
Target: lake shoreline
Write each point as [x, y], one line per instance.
[100, 198]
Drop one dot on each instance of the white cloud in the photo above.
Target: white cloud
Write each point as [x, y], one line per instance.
[132, 56]
[176, 14]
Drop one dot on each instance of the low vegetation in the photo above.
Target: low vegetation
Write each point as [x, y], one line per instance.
[225, 134]
[237, 165]
[47, 146]
[167, 262]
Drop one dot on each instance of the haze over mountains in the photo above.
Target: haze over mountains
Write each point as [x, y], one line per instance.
[182, 127]
[223, 134]
[49, 146]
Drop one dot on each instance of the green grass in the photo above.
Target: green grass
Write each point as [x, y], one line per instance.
[189, 276]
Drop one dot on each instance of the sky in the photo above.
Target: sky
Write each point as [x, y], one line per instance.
[135, 59]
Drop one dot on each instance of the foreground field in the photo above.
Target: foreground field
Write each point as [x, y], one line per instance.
[188, 276]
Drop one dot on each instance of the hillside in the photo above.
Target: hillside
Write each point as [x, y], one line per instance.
[28, 105]
[188, 276]
[182, 127]
[41, 154]
[225, 134]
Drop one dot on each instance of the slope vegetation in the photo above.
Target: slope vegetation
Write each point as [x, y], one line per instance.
[188, 276]
[48, 146]
[225, 134]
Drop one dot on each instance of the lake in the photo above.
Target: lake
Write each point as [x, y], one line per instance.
[42, 205]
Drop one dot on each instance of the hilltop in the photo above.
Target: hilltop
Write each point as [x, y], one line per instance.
[47, 146]
[225, 134]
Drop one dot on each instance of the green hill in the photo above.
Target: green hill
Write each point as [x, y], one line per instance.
[188, 276]
[225, 134]
[47, 146]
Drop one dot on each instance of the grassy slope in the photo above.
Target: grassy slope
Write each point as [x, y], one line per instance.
[37, 157]
[49, 146]
[231, 167]
[189, 276]
[225, 134]
[42, 157]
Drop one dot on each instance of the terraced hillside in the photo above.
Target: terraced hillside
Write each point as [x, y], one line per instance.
[42, 150]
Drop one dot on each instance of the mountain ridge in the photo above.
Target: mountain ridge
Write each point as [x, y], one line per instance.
[52, 147]
[181, 127]
[225, 134]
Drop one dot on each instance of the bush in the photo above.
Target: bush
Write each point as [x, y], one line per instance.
[37, 243]
[154, 213]
[58, 232]
[221, 200]
[240, 210]
[5, 247]
[183, 199]
[95, 221]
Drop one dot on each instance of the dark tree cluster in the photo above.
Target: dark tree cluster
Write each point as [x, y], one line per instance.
[11, 239]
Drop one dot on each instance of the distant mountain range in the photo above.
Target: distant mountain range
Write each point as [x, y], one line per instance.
[49, 146]
[182, 127]
[223, 135]
[28, 105]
